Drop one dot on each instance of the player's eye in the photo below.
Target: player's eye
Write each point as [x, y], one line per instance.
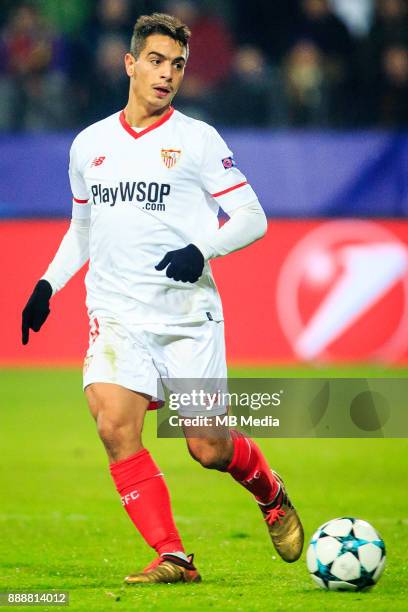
[179, 65]
[155, 62]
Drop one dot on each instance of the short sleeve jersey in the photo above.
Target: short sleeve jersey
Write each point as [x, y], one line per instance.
[146, 193]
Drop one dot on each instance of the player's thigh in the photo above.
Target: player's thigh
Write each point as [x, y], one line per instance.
[119, 377]
[117, 404]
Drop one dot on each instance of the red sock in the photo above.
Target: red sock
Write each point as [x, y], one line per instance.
[250, 468]
[147, 501]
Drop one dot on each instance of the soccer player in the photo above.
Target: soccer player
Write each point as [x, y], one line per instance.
[147, 185]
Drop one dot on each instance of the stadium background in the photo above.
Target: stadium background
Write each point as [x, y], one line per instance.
[312, 97]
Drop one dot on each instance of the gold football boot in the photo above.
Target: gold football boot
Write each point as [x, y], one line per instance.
[167, 569]
[284, 524]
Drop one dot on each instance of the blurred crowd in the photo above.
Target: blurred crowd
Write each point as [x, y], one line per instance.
[277, 63]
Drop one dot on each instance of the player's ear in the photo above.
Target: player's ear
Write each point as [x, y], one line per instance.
[129, 64]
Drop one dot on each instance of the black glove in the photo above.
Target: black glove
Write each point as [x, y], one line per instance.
[184, 264]
[37, 309]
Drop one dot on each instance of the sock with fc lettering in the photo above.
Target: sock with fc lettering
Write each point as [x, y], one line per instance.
[146, 499]
[250, 468]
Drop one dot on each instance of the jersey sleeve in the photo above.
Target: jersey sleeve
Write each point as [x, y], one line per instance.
[81, 207]
[220, 177]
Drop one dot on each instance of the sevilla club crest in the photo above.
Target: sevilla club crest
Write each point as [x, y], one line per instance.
[170, 157]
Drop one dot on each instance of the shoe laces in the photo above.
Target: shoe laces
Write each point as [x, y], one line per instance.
[156, 562]
[274, 514]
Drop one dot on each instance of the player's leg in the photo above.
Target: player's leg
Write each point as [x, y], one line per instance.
[243, 459]
[203, 358]
[119, 414]
[229, 451]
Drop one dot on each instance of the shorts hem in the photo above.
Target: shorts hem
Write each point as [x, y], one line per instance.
[123, 382]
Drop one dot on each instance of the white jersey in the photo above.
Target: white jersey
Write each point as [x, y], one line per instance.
[146, 193]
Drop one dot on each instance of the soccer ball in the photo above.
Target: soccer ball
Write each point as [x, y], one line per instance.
[346, 554]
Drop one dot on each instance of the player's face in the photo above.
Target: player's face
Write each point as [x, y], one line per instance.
[157, 73]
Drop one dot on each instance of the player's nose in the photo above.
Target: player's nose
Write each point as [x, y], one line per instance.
[166, 72]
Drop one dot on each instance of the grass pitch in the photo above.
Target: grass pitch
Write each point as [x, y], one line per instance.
[62, 525]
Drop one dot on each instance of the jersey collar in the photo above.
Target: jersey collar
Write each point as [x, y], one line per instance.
[155, 125]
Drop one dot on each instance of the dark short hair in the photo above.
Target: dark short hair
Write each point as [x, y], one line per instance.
[158, 23]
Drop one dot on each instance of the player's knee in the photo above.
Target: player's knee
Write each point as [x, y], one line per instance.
[109, 420]
[212, 455]
[108, 429]
[114, 430]
[117, 427]
[111, 429]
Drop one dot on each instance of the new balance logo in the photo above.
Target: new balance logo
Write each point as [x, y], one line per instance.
[126, 499]
[98, 161]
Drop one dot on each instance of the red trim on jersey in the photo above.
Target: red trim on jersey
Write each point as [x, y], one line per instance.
[80, 201]
[220, 193]
[154, 125]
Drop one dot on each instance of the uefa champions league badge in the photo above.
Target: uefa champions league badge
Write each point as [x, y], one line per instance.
[170, 157]
[228, 162]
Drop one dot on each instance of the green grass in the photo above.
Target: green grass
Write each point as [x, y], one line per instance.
[62, 525]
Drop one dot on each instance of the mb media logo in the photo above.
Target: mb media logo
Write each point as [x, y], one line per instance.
[343, 293]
